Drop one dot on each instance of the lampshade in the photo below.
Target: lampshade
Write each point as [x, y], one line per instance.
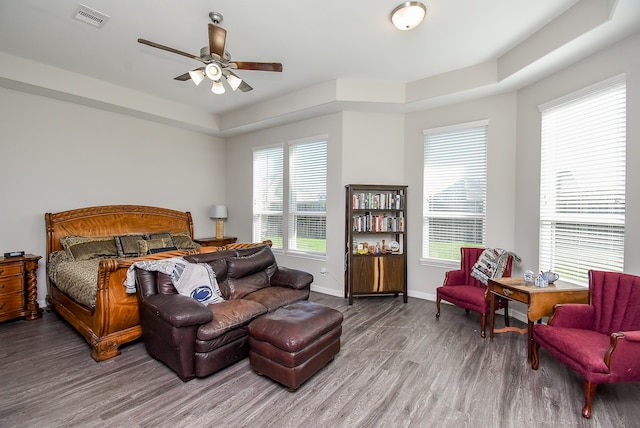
[197, 76]
[217, 87]
[408, 15]
[234, 81]
[218, 211]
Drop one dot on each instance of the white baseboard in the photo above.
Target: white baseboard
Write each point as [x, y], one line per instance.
[424, 296]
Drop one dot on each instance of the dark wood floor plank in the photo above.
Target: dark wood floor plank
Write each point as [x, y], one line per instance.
[398, 367]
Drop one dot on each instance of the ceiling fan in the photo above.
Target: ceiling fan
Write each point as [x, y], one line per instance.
[217, 62]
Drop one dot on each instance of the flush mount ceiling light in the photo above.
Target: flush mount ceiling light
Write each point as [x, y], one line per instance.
[408, 15]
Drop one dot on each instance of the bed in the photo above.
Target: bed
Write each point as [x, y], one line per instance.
[111, 318]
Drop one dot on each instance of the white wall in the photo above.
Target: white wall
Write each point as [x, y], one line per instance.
[56, 156]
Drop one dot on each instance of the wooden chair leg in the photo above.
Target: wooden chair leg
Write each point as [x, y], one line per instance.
[506, 313]
[438, 307]
[536, 359]
[589, 393]
[483, 325]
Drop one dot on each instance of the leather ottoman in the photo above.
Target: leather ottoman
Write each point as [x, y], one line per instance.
[291, 344]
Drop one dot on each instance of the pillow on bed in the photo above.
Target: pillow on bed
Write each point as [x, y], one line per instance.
[127, 245]
[183, 241]
[86, 248]
[156, 245]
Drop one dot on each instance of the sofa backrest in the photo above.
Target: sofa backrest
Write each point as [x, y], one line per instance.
[152, 282]
[238, 272]
[615, 297]
[249, 271]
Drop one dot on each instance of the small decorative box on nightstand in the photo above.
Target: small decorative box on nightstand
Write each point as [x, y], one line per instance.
[19, 287]
[216, 242]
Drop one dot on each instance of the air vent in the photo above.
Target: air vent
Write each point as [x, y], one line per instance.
[90, 16]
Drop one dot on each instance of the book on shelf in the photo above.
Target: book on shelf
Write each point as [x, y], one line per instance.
[378, 201]
[377, 223]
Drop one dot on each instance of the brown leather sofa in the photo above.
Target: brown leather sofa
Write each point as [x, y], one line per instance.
[196, 340]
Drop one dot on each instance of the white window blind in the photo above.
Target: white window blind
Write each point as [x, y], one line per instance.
[308, 197]
[268, 196]
[582, 184]
[455, 182]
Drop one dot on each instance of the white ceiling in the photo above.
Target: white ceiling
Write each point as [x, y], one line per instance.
[316, 41]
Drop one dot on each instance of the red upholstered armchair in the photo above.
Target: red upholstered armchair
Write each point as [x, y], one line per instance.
[601, 340]
[462, 289]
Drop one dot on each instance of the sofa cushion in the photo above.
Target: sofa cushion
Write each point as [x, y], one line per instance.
[273, 298]
[228, 315]
[237, 288]
[262, 260]
[80, 248]
[216, 259]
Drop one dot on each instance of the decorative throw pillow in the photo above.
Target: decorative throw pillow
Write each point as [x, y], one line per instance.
[86, 248]
[488, 265]
[183, 241]
[157, 245]
[162, 235]
[127, 245]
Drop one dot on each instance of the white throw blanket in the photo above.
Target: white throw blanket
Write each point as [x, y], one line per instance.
[195, 280]
[492, 263]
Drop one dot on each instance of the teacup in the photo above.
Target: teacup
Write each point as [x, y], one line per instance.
[528, 276]
[551, 277]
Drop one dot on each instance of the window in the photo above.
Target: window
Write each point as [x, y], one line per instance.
[582, 182]
[308, 197]
[455, 182]
[268, 200]
[303, 185]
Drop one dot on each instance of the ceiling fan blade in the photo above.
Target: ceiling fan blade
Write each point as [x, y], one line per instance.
[261, 66]
[217, 37]
[183, 77]
[245, 87]
[168, 49]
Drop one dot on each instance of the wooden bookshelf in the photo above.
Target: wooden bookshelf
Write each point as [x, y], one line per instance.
[375, 240]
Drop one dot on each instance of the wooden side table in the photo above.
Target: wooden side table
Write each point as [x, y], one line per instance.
[19, 288]
[216, 242]
[540, 301]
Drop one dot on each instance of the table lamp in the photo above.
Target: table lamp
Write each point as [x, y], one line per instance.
[219, 212]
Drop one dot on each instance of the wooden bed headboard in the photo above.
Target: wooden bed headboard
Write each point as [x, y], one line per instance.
[111, 220]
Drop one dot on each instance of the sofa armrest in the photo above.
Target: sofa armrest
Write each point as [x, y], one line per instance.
[454, 277]
[572, 315]
[177, 310]
[291, 278]
[622, 355]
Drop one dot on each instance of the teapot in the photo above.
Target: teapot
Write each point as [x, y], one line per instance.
[551, 277]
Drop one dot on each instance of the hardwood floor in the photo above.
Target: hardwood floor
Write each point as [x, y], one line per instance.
[398, 367]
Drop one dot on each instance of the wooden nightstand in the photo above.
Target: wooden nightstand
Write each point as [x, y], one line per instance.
[216, 242]
[19, 288]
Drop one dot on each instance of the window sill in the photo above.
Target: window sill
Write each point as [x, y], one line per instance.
[440, 263]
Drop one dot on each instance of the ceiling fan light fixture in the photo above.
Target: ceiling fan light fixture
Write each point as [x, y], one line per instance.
[234, 81]
[197, 76]
[213, 71]
[408, 15]
[217, 87]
